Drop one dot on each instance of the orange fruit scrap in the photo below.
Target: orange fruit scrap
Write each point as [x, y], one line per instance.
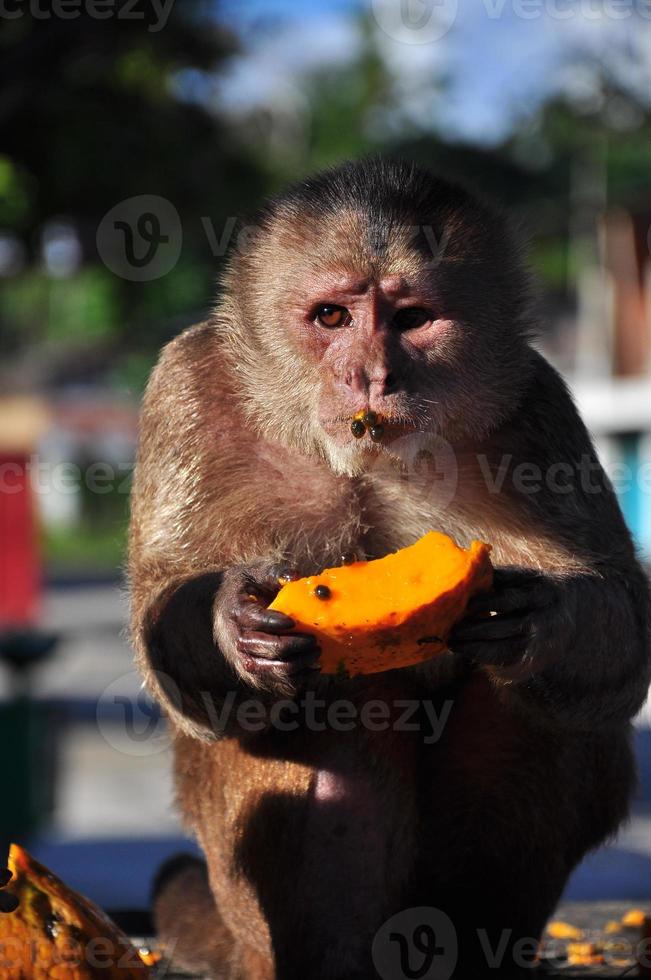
[563, 930]
[584, 954]
[634, 919]
[395, 611]
[57, 934]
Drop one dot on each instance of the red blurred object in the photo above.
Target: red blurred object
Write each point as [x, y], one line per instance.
[20, 580]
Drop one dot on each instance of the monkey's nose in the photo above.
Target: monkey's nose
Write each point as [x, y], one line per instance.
[356, 379]
[370, 385]
[383, 383]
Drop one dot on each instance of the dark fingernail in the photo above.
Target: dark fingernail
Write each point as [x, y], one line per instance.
[278, 620]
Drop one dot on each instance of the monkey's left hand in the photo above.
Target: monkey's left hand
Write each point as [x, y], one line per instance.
[511, 624]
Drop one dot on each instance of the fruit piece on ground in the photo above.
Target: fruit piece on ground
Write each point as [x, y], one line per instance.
[57, 934]
[612, 927]
[563, 930]
[584, 954]
[634, 919]
[395, 611]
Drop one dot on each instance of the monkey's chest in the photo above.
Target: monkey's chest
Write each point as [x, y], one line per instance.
[339, 828]
[386, 799]
[344, 823]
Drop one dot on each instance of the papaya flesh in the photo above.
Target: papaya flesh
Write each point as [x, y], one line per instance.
[390, 612]
[57, 934]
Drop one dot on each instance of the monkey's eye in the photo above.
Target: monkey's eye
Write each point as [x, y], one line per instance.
[411, 317]
[333, 316]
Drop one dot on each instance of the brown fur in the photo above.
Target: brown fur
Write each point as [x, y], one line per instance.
[314, 838]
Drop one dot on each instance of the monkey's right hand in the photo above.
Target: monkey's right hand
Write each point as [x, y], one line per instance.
[261, 644]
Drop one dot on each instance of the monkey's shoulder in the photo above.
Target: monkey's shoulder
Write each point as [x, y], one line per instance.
[192, 389]
[189, 357]
[547, 418]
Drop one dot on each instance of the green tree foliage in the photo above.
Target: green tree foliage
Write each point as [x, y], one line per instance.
[92, 113]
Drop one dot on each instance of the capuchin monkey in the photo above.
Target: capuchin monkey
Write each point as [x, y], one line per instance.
[466, 788]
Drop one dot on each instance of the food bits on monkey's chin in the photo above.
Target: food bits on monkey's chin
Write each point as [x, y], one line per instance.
[395, 611]
[366, 421]
[57, 934]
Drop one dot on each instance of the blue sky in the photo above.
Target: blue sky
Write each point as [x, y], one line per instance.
[249, 12]
[504, 56]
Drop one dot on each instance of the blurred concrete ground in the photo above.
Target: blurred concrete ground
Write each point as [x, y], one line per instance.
[115, 822]
[109, 783]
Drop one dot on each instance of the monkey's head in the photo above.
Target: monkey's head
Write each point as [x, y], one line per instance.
[376, 287]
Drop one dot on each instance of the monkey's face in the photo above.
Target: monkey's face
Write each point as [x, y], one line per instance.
[370, 339]
[414, 347]
[416, 318]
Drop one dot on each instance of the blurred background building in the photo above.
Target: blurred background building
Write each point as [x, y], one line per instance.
[128, 144]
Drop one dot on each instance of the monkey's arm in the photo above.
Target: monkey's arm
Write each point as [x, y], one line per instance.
[569, 635]
[201, 545]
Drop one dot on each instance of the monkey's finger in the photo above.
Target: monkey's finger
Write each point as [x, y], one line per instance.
[281, 648]
[252, 615]
[517, 576]
[493, 653]
[509, 600]
[266, 583]
[8, 902]
[281, 668]
[490, 628]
